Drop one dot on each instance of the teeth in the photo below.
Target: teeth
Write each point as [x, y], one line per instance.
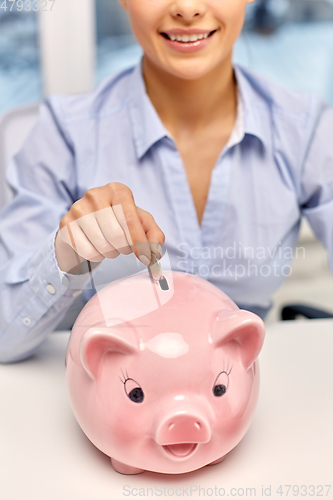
[187, 38]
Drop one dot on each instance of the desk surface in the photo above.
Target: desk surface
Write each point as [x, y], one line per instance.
[44, 455]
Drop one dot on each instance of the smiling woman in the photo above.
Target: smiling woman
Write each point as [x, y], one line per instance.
[183, 150]
[150, 22]
[190, 81]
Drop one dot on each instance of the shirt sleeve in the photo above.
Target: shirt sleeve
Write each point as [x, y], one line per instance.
[316, 183]
[34, 293]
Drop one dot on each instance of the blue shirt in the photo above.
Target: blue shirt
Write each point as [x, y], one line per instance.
[277, 165]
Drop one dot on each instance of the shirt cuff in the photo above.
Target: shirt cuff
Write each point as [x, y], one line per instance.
[47, 280]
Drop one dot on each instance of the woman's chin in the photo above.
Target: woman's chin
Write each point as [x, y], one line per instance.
[188, 70]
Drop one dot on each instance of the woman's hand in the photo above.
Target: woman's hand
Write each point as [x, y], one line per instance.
[105, 223]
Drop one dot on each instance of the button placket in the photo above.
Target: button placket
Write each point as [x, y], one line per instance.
[180, 194]
[51, 289]
[216, 204]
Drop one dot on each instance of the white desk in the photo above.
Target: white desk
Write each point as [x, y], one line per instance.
[44, 455]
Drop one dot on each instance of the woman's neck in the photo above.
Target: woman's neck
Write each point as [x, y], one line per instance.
[192, 105]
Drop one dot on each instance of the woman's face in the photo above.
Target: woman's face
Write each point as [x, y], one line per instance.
[156, 22]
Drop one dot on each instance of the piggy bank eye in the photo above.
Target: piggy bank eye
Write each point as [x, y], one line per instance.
[219, 390]
[133, 391]
[221, 384]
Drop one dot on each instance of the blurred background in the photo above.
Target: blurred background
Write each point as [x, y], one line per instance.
[70, 46]
[290, 41]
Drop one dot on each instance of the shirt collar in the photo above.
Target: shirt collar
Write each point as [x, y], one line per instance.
[149, 129]
[252, 107]
[146, 124]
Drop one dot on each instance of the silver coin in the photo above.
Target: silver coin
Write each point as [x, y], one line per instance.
[154, 268]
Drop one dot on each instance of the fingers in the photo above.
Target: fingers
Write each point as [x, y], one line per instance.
[154, 234]
[106, 222]
[111, 233]
[90, 240]
[73, 235]
[128, 219]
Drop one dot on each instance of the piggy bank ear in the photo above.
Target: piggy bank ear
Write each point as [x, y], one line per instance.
[97, 341]
[240, 333]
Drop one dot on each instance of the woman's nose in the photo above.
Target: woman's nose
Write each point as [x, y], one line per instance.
[188, 9]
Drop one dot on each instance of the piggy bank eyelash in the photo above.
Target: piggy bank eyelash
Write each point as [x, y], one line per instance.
[124, 376]
[228, 369]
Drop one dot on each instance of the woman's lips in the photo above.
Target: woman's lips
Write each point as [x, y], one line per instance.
[188, 46]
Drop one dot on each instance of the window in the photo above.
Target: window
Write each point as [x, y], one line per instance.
[116, 46]
[291, 42]
[20, 77]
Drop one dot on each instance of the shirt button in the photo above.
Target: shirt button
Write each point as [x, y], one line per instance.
[26, 321]
[76, 293]
[50, 288]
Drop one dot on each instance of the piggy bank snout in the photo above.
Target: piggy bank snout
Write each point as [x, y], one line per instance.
[183, 428]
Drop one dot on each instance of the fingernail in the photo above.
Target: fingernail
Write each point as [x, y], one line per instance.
[157, 249]
[144, 260]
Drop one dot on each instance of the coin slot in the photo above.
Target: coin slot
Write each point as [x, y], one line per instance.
[163, 284]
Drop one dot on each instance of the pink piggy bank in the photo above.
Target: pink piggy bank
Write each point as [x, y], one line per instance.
[164, 380]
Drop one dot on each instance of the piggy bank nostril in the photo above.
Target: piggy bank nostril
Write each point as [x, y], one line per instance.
[197, 425]
[171, 426]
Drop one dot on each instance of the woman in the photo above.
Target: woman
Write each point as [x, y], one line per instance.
[212, 161]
